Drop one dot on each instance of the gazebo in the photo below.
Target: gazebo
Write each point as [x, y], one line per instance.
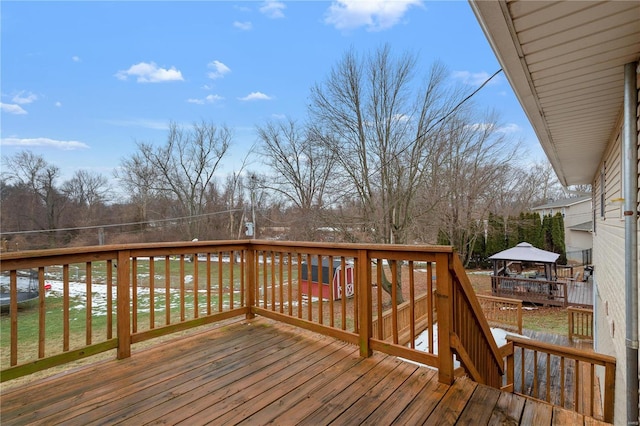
[525, 252]
[541, 286]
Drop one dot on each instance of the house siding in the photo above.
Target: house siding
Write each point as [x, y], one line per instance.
[574, 212]
[608, 258]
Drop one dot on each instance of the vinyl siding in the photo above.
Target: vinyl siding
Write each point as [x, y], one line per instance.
[609, 262]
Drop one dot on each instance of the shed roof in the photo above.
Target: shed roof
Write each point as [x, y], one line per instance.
[525, 252]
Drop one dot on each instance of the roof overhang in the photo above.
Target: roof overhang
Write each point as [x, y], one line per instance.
[565, 61]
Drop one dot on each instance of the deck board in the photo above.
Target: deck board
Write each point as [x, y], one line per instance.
[263, 372]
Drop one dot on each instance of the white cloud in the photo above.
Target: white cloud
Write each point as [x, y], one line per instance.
[44, 142]
[76, 59]
[244, 26]
[510, 128]
[12, 109]
[58, 104]
[255, 96]
[273, 9]
[24, 98]
[375, 15]
[140, 122]
[150, 73]
[471, 78]
[209, 99]
[219, 70]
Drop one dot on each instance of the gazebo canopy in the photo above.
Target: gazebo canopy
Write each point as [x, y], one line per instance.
[525, 252]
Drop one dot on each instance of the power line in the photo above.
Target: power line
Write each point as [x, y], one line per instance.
[441, 119]
[79, 228]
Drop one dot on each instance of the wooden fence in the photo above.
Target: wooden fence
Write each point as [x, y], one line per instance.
[502, 312]
[580, 323]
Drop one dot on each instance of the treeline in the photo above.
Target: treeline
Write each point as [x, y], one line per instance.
[546, 233]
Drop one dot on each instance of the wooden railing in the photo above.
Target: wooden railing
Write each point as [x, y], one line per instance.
[469, 333]
[105, 298]
[111, 297]
[530, 290]
[580, 323]
[382, 327]
[502, 312]
[574, 382]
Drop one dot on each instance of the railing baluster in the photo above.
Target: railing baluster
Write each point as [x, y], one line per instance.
[167, 290]
[332, 296]
[152, 293]
[183, 315]
[13, 312]
[273, 280]
[299, 267]
[208, 268]
[281, 281]
[65, 308]
[289, 284]
[41, 314]
[232, 286]
[195, 286]
[343, 285]
[412, 305]
[265, 277]
[89, 307]
[394, 299]
[562, 381]
[220, 282]
[309, 289]
[109, 272]
[134, 294]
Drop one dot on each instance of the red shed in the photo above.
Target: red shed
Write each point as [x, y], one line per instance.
[329, 275]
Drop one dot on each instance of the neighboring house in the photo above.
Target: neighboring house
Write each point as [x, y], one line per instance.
[578, 224]
[574, 68]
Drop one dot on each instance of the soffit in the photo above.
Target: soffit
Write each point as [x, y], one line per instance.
[565, 61]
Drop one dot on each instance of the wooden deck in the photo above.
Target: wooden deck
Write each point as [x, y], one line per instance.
[260, 372]
[580, 293]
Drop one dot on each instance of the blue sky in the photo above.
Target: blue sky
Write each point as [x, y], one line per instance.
[81, 82]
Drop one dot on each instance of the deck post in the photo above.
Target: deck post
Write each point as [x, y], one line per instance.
[250, 281]
[444, 307]
[122, 306]
[364, 303]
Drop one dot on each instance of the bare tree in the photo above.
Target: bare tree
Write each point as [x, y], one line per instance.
[384, 133]
[33, 171]
[180, 170]
[384, 130]
[87, 189]
[301, 170]
[477, 160]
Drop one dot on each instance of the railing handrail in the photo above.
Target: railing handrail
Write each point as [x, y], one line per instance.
[566, 351]
[465, 285]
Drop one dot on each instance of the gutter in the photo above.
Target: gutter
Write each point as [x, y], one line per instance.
[630, 174]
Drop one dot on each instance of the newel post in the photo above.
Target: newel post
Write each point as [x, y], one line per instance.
[364, 302]
[250, 281]
[444, 296]
[123, 302]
